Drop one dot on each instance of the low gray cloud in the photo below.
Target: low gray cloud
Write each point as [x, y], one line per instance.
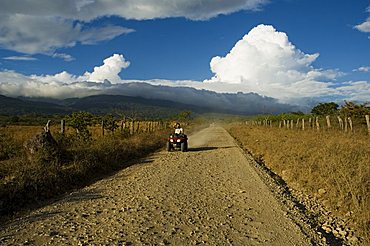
[34, 34]
[87, 10]
[43, 27]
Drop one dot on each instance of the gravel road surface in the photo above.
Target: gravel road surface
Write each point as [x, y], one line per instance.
[210, 195]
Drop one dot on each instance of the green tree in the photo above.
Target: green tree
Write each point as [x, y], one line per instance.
[80, 122]
[352, 109]
[325, 109]
[184, 115]
[110, 122]
[14, 119]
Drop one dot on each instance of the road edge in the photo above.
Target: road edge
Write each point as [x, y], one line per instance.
[296, 211]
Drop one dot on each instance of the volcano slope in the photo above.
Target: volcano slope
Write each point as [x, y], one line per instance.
[209, 195]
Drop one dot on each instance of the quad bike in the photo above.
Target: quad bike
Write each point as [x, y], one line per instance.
[177, 141]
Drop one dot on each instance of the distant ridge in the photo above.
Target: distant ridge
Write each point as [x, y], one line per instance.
[99, 104]
[146, 100]
[15, 106]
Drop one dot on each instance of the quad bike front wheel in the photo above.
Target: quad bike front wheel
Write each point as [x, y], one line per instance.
[168, 146]
[184, 147]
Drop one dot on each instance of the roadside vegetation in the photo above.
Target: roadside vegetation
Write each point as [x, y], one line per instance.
[87, 150]
[330, 165]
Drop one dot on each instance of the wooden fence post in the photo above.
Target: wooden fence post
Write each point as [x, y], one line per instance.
[102, 128]
[291, 124]
[303, 124]
[350, 124]
[297, 124]
[132, 127]
[310, 123]
[123, 124]
[340, 121]
[367, 117]
[345, 124]
[47, 126]
[328, 121]
[62, 127]
[279, 123]
[317, 123]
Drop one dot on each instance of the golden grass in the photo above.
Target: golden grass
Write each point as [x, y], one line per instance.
[308, 160]
[23, 182]
[22, 133]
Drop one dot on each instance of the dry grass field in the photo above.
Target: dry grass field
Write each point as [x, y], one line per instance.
[27, 182]
[332, 166]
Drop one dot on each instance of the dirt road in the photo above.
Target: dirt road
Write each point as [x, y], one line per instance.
[209, 195]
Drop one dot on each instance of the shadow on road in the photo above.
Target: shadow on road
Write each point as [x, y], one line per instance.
[201, 149]
[208, 148]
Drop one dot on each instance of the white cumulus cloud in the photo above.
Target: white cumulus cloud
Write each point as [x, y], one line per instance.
[266, 62]
[294, 78]
[109, 70]
[64, 84]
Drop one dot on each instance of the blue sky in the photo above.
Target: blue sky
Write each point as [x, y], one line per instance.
[178, 43]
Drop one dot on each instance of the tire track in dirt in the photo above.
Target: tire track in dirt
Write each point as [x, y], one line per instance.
[209, 195]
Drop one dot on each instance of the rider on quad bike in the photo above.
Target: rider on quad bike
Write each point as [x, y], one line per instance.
[178, 140]
[178, 129]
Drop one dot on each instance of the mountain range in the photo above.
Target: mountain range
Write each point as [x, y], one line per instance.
[149, 101]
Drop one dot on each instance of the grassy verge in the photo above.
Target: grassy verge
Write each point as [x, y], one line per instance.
[328, 165]
[24, 182]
